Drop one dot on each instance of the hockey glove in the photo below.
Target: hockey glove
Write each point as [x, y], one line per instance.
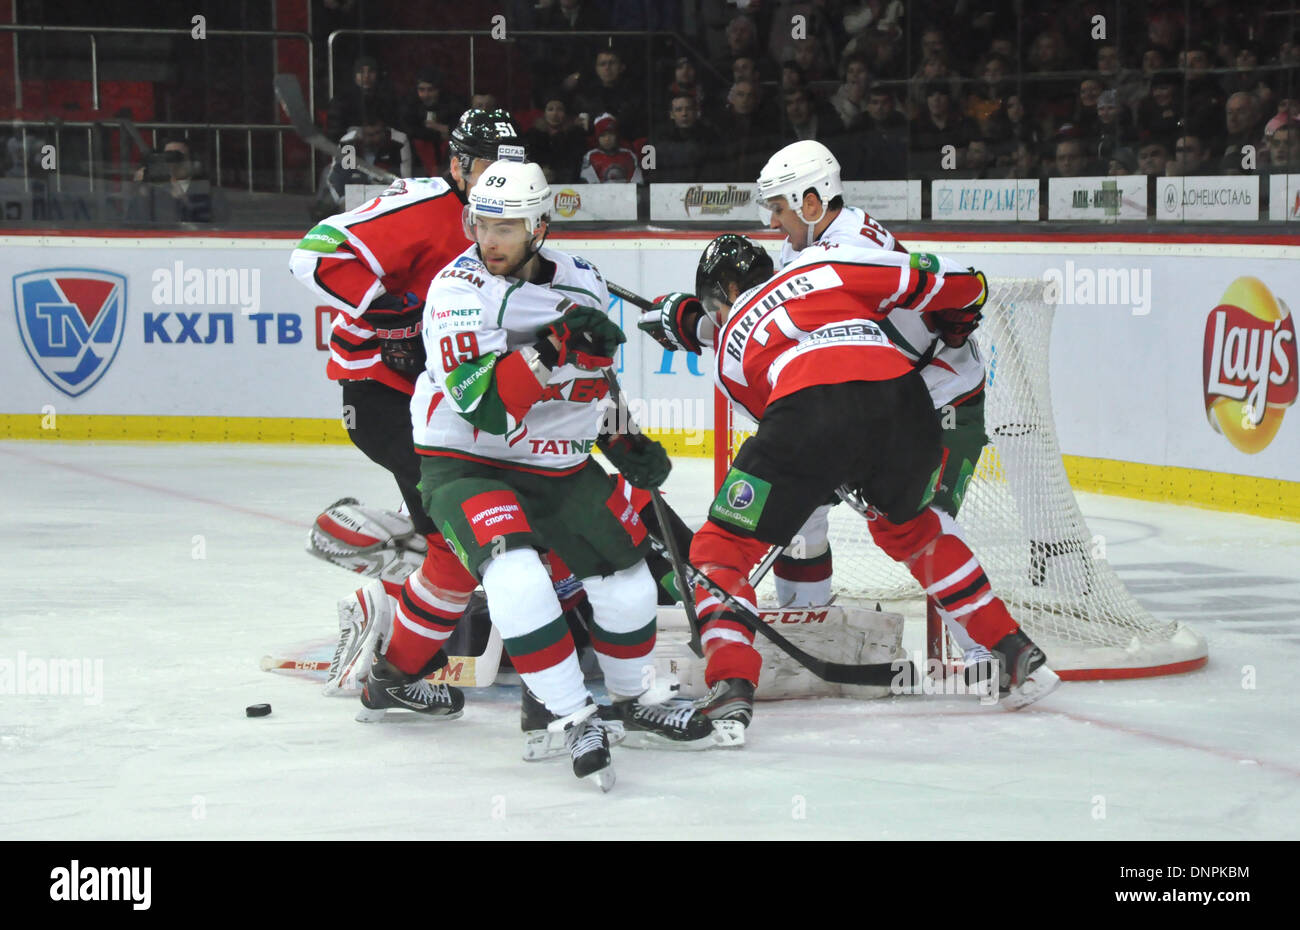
[395, 316]
[397, 321]
[638, 458]
[955, 326]
[588, 339]
[675, 322]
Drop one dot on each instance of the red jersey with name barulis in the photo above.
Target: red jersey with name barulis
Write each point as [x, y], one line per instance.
[815, 321]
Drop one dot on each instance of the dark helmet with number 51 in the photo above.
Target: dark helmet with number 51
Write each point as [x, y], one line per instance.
[727, 260]
[490, 134]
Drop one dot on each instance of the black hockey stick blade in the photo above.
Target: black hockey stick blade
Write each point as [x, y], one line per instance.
[881, 674]
[289, 93]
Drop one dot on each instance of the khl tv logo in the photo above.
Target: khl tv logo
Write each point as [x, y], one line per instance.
[71, 321]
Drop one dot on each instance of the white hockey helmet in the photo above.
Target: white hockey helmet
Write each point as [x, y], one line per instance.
[510, 190]
[797, 168]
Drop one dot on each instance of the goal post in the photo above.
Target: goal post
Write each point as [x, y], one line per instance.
[1020, 517]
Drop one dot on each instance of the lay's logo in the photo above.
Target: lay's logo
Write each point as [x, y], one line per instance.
[71, 321]
[1249, 365]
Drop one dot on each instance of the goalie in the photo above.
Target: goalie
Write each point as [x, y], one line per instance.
[802, 353]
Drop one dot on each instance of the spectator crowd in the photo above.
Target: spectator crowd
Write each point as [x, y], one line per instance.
[965, 90]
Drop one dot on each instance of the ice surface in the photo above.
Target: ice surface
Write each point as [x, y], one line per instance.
[178, 566]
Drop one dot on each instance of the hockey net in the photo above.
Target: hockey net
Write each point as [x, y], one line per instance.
[1020, 517]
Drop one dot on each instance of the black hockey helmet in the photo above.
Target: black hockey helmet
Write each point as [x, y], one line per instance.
[490, 134]
[727, 260]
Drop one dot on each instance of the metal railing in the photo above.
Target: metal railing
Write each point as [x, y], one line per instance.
[96, 171]
[90, 32]
[96, 166]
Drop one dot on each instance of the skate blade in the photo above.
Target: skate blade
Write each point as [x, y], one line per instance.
[542, 745]
[1042, 682]
[726, 734]
[380, 714]
[604, 778]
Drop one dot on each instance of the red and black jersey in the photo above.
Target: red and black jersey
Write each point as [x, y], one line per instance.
[816, 322]
[391, 244]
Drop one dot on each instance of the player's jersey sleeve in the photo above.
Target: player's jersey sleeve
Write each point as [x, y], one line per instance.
[344, 258]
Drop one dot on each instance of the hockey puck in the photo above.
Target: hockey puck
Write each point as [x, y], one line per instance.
[257, 710]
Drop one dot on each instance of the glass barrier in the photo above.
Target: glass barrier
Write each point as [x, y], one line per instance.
[1109, 112]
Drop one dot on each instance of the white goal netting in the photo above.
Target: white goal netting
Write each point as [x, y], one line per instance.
[1020, 517]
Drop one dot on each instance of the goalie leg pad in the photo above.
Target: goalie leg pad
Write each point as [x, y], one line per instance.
[365, 620]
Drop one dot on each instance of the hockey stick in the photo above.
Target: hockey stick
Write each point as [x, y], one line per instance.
[289, 93]
[636, 300]
[665, 526]
[624, 294]
[879, 674]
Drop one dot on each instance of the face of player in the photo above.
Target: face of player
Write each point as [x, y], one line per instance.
[503, 243]
[793, 222]
[723, 311]
[475, 172]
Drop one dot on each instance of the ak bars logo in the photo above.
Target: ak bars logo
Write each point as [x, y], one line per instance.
[71, 321]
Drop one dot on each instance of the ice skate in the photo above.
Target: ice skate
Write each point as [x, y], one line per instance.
[389, 688]
[586, 738]
[677, 724]
[1023, 675]
[539, 743]
[731, 699]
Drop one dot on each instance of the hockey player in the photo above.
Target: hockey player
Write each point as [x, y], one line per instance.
[373, 265]
[800, 194]
[837, 404]
[506, 415]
